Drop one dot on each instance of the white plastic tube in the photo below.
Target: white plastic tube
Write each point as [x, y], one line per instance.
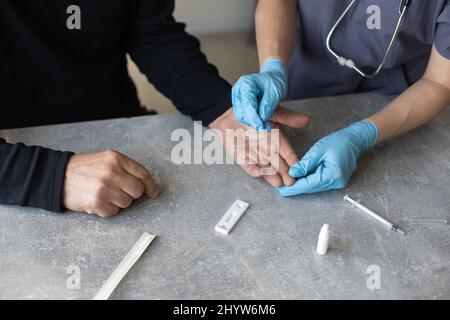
[127, 263]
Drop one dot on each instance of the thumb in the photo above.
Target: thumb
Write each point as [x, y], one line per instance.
[290, 118]
[306, 165]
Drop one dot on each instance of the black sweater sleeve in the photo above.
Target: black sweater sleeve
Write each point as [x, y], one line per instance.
[172, 61]
[32, 176]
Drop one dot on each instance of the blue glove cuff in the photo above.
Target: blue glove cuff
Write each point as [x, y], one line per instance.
[275, 65]
[368, 133]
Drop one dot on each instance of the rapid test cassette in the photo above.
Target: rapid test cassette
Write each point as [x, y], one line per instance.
[232, 216]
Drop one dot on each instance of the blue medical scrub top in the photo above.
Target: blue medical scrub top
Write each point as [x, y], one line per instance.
[315, 72]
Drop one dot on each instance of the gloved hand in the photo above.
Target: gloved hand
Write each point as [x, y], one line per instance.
[256, 96]
[331, 161]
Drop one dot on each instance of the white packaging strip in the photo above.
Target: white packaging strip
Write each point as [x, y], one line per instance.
[122, 269]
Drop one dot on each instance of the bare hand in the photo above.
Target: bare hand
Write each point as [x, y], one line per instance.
[103, 183]
[287, 157]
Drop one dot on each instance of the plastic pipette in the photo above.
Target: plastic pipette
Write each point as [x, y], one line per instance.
[391, 226]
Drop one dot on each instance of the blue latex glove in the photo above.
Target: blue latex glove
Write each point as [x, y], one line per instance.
[256, 96]
[331, 161]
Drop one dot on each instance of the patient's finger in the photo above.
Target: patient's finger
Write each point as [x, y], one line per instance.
[290, 118]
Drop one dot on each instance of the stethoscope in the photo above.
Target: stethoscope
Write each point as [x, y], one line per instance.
[348, 62]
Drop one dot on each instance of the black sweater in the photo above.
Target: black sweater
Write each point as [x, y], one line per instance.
[59, 64]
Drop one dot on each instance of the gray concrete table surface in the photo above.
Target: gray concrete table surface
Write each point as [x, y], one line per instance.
[271, 252]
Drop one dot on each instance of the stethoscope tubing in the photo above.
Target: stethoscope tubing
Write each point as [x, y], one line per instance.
[348, 62]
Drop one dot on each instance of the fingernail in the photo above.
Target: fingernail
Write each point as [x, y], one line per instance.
[289, 181]
[155, 193]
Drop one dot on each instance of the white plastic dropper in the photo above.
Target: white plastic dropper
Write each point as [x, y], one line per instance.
[322, 243]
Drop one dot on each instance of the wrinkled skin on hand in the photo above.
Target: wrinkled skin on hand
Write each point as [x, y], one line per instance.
[286, 156]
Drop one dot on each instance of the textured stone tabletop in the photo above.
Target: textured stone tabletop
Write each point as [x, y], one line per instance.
[270, 254]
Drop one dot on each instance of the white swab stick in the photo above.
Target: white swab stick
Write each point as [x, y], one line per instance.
[127, 263]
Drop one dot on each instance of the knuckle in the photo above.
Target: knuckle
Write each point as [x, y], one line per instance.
[135, 187]
[91, 203]
[97, 204]
[98, 199]
[112, 155]
[139, 191]
[106, 172]
[123, 203]
[143, 173]
[100, 190]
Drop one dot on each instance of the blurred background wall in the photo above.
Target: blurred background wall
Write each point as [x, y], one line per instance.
[225, 30]
[205, 16]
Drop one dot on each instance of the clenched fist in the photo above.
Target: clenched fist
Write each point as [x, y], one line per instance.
[105, 182]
